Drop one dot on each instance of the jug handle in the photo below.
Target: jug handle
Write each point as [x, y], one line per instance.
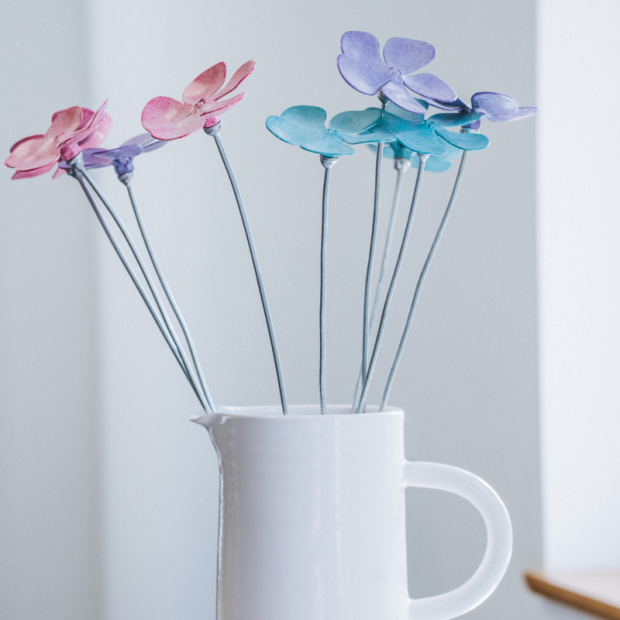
[499, 539]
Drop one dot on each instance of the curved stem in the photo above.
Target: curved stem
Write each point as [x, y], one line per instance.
[327, 163]
[170, 298]
[395, 274]
[134, 278]
[259, 278]
[151, 285]
[401, 168]
[371, 257]
[429, 258]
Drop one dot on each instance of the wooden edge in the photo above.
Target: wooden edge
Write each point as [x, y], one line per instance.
[537, 582]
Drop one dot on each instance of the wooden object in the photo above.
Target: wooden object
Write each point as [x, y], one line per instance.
[597, 593]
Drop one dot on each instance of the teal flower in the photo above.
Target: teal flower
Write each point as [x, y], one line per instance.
[413, 131]
[435, 163]
[304, 126]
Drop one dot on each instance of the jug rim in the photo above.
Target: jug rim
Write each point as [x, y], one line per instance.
[296, 412]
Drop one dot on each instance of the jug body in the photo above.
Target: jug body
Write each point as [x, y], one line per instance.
[312, 517]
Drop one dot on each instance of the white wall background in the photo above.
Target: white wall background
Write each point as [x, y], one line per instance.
[109, 495]
[579, 227]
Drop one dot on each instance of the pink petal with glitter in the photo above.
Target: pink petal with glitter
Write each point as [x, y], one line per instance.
[65, 122]
[220, 106]
[206, 84]
[28, 174]
[168, 119]
[25, 140]
[33, 153]
[73, 144]
[99, 134]
[240, 75]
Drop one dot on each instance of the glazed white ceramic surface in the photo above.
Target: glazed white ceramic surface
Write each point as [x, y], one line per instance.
[312, 517]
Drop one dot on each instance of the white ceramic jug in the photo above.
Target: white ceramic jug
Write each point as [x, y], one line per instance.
[312, 517]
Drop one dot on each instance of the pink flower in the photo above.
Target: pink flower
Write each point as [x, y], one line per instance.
[72, 130]
[202, 105]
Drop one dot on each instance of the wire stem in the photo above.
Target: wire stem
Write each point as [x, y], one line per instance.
[401, 165]
[427, 262]
[149, 281]
[392, 287]
[170, 297]
[79, 176]
[328, 163]
[371, 256]
[214, 132]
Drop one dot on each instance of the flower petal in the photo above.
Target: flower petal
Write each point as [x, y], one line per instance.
[422, 139]
[407, 55]
[361, 46]
[435, 163]
[168, 119]
[95, 158]
[65, 122]
[494, 105]
[306, 116]
[142, 140]
[398, 95]
[33, 153]
[464, 141]
[355, 121]
[385, 130]
[521, 113]
[429, 85]
[330, 145]
[412, 117]
[219, 107]
[24, 140]
[206, 84]
[99, 133]
[293, 133]
[241, 74]
[454, 120]
[35, 172]
[365, 78]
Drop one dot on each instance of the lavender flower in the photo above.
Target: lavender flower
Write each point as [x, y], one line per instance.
[362, 67]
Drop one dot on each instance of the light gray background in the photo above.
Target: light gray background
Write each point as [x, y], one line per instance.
[108, 500]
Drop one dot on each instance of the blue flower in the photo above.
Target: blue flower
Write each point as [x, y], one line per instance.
[435, 163]
[426, 136]
[304, 126]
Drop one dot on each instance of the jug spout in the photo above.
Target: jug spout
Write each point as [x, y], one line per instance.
[206, 419]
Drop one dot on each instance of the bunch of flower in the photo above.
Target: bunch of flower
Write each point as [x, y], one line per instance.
[400, 129]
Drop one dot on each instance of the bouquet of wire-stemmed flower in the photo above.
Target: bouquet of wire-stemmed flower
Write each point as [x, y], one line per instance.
[398, 128]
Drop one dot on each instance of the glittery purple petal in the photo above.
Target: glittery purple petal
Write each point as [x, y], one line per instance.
[97, 158]
[494, 106]
[362, 46]
[144, 140]
[398, 95]
[429, 85]
[407, 55]
[367, 79]
[522, 113]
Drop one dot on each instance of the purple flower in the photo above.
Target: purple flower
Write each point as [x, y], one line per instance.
[362, 67]
[494, 107]
[122, 157]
